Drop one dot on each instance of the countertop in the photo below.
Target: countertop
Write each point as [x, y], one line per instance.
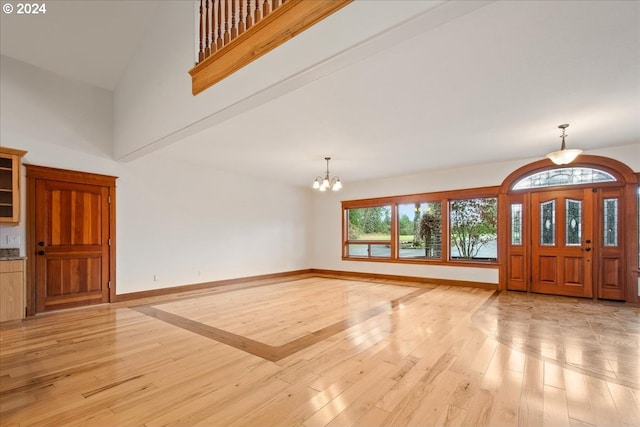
[10, 254]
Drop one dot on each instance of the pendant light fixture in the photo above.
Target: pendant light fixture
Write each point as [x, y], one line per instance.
[564, 156]
[325, 183]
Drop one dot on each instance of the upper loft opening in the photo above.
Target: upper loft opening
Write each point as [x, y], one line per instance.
[234, 33]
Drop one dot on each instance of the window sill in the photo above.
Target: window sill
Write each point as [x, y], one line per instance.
[460, 263]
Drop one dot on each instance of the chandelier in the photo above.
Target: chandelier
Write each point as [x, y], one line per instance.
[324, 183]
[564, 156]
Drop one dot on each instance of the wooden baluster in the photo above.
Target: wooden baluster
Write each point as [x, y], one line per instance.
[257, 14]
[276, 4]
[249, 14]
[242, 11]
[266, 8]
[213, 26]
[227, 27]
[220, 30]
[234, 19]
[207, 28]
[201, 50]
[223, 21]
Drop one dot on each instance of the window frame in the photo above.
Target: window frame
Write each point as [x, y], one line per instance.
[449, 201]
[345, 233]
[444, 197]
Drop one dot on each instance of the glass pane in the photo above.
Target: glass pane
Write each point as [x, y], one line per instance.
[564, 176]
[369, 223]
[473, 229]
[366, 250]
[610, 222]
[548, 223]
[573, 223]
[419, 230]
[516, 224]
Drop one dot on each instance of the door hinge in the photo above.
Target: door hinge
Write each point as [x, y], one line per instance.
[109, 284]
[109, 242]
[109, 199]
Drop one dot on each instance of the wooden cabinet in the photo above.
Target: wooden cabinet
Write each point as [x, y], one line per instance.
[12, 299]
[10, 160]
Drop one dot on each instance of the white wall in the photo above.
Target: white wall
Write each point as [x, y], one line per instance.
[67, 113]
[326, 233]
[182, 223]
[188, 224]
[153, 102]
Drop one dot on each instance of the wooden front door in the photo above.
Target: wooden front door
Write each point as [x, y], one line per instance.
[570, 230]
[71, 224]
[563, 234]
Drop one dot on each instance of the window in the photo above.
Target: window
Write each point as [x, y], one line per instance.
[473, 228]
[441, 228]
[573, 223]
[548, 223]
[369, 232]
[420, 230]
[516, 224]
[564, 176]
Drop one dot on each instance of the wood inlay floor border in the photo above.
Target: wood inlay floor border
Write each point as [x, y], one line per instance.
[266, 351]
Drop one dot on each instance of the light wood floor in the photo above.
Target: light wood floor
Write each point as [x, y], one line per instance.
[314, 351]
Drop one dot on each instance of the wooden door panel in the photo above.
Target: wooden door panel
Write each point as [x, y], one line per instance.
[72, 228]
[574, 271]
[517, 269]
[611, 278]
[611, 272]
[548, 269]
[73, 275]
[561, 223]
[75, 217]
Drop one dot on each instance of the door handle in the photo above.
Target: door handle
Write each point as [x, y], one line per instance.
[40, 252]
[587, 249]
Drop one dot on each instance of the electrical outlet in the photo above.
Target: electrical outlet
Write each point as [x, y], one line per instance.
[13, 240]
[155, 277]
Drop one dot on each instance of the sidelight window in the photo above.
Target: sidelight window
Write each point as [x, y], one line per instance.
[516, 224]
[610, 222]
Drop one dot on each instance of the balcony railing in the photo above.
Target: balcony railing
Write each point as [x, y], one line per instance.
[233, 33]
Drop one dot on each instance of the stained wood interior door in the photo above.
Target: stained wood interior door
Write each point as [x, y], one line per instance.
[71, 243]
[562, 230]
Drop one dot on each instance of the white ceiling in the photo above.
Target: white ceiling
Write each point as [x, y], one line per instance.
[91, 41]
[491, 85]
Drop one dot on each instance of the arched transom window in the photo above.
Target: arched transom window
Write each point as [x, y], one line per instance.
[564, 176]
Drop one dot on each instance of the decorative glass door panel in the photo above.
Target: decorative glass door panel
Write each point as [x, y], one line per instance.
[611, 262]
[562, 234]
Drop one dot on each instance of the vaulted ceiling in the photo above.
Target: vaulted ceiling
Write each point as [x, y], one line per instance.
[490, 85]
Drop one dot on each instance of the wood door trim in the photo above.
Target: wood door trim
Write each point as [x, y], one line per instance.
[626, 177]
[35, 173]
